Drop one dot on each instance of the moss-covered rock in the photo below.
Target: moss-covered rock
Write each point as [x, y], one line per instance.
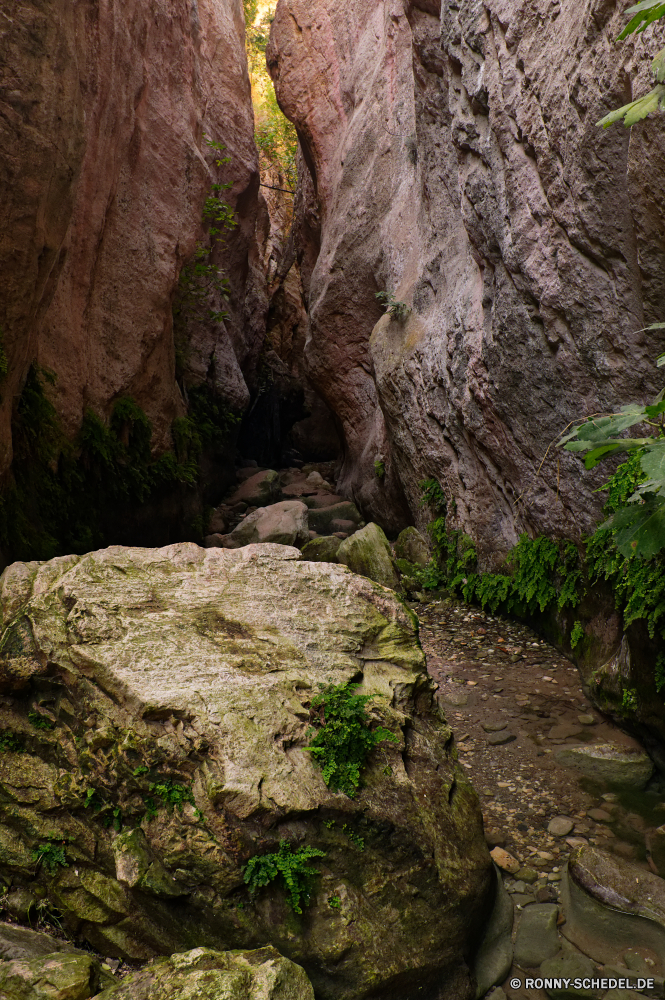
[203, 974]
[323, 549]
[412, 547]
[178, 682]
[321, 520]
[368, 553]
[60, 976]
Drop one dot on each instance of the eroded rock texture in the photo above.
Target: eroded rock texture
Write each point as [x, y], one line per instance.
[104, 169]
[154, 718]
[454, 161]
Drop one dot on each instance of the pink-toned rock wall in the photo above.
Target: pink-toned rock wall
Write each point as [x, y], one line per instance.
[455, 161]
[104, 108]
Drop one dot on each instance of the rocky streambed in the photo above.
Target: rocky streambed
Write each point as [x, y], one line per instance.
[573, 810]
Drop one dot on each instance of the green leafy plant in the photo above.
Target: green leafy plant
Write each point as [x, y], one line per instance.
[659, 672]
[344, 739]
[629, 700]
[576, 635]
[139, 771]
[644, 14]
[173, 794]
[379, 468]
[289, 868]
[38, 721]
[51, 855]
[334, 902]
[638, 527]
[396, 310]
[354, 837]
[10, 742]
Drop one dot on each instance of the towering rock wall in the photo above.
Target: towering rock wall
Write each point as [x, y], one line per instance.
[104, 169]
[454, 161]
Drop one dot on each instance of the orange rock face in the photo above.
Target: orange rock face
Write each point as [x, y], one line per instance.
[104, 172]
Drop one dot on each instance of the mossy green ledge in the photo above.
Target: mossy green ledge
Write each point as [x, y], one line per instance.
[191, 671]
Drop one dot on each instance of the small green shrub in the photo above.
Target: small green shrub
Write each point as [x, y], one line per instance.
[344, 739]
[334, 902]
[38, 721]
[379, 468]
[397, 310]
[172, 794]
[354, 837]
[629, 700]
[289, 868]
[577, 634]
[10, 742]
[50, 855]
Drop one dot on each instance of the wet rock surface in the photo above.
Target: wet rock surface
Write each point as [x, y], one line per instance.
[540, 815]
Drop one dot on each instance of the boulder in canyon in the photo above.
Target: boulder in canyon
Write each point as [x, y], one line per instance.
[257, 490]
[283, 523]
[169, 690]
[412, 547]
[368, 552]
[323, 549]
[321, 518]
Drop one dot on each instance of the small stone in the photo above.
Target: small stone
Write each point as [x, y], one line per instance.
[599, 815]
[501, 738]
[519, 886]
[576, 842]
[560, 826]
[494, 727]
[495, 838]
[528, 875]
[537, 938]
[546, 894]
[19, 904]
[586, 720]
[554, 877]
[505, 861]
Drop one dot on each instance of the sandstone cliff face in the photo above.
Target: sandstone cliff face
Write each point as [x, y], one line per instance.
[105, 169]
[454, 161]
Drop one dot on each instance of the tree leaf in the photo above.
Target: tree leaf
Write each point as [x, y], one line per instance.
[636, 110]
[658, 68]
[653, 462]
[645, 12]
[640, 528]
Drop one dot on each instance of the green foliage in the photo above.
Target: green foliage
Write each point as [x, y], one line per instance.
[334, 902]
[644, 14]
[289, 868]
[10, 742]
[276, 138]
[50, 855]
[379, 468]
[577, 634]
[397, 310]
[659, 672]
[74, 497]
[543, 572]
[217, 212]
[354, 837]
[629, 701]
[38, 721]
[638, 525]
[344, 739]
[172, 794]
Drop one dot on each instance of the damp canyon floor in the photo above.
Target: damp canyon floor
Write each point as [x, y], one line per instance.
[499, 681]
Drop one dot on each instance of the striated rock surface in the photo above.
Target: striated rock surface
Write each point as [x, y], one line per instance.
[154, 717]
[104, 170]
[454, 161]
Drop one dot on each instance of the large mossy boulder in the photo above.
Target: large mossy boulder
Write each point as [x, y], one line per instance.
[368, 553]
[283, 523]
[203, 974]
[412, 547]
[154, 721]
